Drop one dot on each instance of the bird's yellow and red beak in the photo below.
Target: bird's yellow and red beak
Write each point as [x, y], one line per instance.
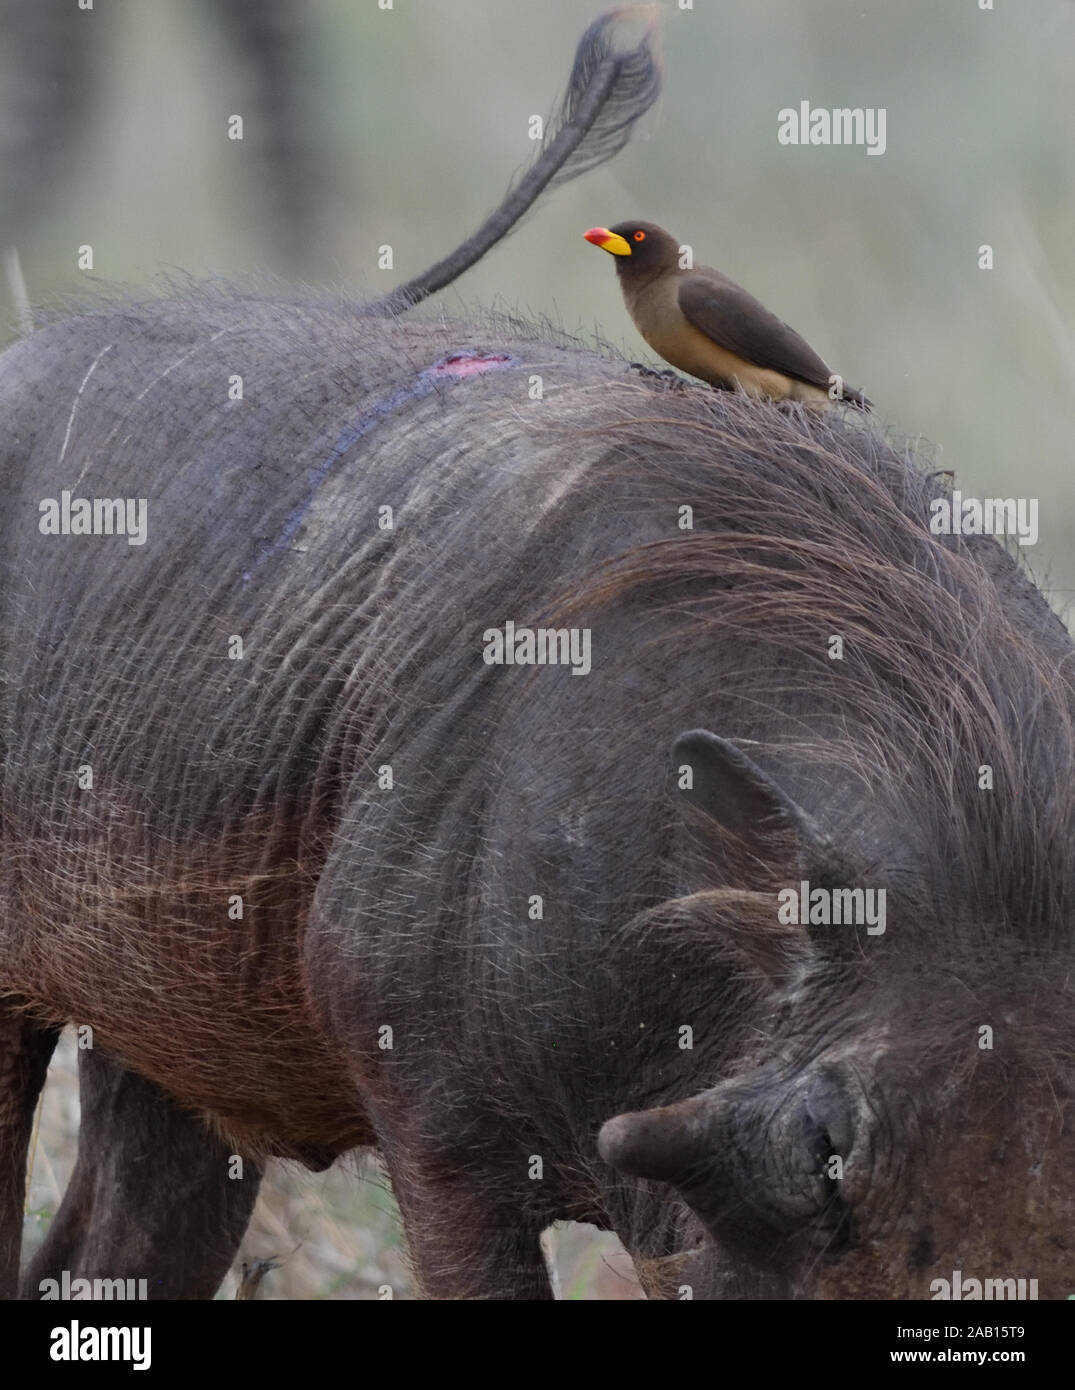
[608, 241]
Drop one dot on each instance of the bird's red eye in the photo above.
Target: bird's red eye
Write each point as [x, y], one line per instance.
[640, 236]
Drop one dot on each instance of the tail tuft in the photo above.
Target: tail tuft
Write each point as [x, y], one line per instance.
[608, 90]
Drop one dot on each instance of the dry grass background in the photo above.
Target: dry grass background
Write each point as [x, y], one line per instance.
[336, 1234]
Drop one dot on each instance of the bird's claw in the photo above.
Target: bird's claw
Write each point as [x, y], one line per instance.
[667, 375]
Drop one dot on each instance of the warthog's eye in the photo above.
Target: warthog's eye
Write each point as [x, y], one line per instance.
[834, 1214]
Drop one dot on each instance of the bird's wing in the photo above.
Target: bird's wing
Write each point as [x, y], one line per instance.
[735, 320]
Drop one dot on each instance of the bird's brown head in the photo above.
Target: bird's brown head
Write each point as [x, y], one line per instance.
[640, 248]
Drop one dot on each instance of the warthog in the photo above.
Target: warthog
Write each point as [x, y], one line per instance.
[321, 867]
[338, 879]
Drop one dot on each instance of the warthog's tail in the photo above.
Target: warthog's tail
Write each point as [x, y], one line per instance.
[608, 91]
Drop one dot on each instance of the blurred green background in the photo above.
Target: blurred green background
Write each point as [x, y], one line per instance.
[417, 116]
[408, 124]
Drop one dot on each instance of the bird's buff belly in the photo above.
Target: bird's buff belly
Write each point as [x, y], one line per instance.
[691, 351]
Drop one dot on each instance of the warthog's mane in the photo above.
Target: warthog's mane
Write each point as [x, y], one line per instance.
[808, 527]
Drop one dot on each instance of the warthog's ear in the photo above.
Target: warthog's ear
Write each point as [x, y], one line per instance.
[758, 826]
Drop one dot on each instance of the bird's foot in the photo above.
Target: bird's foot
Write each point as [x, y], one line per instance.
[669, 377]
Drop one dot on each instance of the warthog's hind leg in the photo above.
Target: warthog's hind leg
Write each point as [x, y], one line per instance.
[150, 1196]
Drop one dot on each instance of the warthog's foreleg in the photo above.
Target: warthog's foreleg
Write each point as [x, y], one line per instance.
[462, 1245]
[151, 1196]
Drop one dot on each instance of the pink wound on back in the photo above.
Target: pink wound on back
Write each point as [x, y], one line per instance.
[469, 363]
